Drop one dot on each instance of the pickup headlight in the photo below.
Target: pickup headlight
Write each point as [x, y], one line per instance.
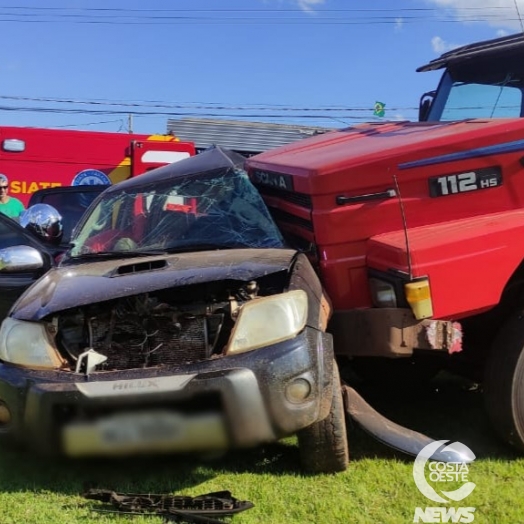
[28, 344]
[268, 320]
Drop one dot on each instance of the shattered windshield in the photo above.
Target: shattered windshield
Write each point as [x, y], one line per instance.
[202, 211]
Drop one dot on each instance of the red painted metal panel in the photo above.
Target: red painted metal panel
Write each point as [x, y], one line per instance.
[54, 157]
[468, 261]
[376, 158]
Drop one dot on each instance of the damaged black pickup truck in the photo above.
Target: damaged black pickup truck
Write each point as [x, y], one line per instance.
[178, 321]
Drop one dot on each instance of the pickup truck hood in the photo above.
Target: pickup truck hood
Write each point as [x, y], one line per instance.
[86, 283]
[367, 154]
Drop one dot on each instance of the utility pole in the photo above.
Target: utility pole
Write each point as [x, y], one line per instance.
[130, 123]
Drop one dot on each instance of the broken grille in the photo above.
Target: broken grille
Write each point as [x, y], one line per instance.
[145, 342]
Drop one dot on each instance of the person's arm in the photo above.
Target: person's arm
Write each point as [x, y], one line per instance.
[21, 208]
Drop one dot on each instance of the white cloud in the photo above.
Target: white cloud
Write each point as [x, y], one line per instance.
[309, 5]
[399, 24]
[497, 13]
[441, 46]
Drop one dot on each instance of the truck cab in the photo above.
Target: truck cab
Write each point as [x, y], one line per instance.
[412, 226]
[483, 80]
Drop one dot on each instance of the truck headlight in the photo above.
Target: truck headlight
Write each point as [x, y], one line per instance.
[268, 320]
[28, 344]
[382, 293]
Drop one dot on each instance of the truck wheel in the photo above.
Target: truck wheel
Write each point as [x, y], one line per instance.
[504, 382]
[324, 445]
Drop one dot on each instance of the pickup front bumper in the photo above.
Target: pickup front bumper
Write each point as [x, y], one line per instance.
[237, 401]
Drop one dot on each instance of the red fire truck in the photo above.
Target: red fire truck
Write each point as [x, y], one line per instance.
[34, 158]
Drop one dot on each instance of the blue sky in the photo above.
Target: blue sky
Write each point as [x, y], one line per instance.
[312, 62]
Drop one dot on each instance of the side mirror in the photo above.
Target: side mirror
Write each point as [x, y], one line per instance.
[20, 258]
[425, 105]
[423, 110]
[44, 221]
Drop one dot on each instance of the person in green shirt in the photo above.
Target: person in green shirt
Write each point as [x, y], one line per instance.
[10, 206]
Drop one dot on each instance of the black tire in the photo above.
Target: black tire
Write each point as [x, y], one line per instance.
[324, 445]
[504, 382]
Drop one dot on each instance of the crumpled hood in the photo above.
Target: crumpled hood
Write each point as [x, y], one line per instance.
[86, 283]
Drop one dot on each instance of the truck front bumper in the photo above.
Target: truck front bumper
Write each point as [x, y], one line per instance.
[391, 332]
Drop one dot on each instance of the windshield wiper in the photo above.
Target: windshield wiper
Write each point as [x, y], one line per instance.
[117, 254]
[186, 248]
[204, 247]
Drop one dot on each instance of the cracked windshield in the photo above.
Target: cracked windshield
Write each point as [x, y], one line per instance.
[192, 212]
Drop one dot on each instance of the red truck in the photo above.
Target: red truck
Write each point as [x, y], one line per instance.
[35, 158]
[415, 228]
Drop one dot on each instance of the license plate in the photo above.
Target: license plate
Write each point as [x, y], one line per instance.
[140, 429]
[154, 431]
[125, 432]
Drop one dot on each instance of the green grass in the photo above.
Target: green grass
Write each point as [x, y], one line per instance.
[377, 488]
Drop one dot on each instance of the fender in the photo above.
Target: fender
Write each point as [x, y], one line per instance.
[468, 261]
